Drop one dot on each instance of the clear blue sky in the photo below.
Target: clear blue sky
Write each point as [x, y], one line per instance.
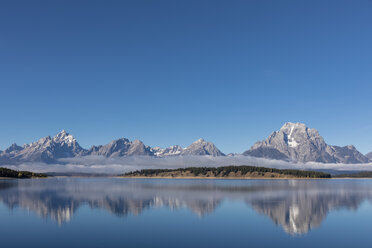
[170, 72]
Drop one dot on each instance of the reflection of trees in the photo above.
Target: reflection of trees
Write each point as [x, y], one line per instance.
[297, 206]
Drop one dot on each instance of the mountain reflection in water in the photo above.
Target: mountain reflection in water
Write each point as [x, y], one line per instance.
[296, 205]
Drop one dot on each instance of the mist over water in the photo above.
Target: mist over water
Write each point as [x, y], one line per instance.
[100, 164]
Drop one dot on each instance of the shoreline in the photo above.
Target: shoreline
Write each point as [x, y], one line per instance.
[9, 178]
[199, 178]
[243, 178]
[228, 178]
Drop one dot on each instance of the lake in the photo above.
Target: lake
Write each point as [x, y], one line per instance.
[115, 212]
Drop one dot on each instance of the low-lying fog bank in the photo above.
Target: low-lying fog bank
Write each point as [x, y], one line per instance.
[99, 164]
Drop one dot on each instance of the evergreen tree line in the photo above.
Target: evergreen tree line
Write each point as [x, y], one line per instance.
[5, 172]
[363, 174]
[226, 170]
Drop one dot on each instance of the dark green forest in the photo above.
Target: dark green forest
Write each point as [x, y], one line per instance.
[4, 172]
[225, 170]
[363, 174]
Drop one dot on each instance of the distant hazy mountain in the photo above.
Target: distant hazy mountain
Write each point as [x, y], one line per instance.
[297, 142]
[13, 148]
[369, 155]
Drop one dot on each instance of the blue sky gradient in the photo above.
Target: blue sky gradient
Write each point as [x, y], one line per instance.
[170, 72]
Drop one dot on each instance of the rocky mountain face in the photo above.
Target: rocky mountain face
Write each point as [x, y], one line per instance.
[369, 155]
[266, 152]
[121, 147]
[348, 155]
[297, 142]
[202, 147]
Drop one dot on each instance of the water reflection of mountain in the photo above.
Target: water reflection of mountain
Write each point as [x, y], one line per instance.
[296, 205]
[299, 213]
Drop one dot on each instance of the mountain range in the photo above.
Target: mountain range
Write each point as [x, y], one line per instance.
[64, 145]
[293, 142]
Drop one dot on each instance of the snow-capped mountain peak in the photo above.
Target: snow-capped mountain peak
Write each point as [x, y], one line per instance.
[64, 137]
[170, 151]
[291, 131]
[298, 142]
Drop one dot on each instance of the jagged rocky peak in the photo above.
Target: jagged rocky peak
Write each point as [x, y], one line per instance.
[296, 133]
[302, 144]
[13, 148]
[198, 148]
[169, 151]
[347, 154]
[115, 148]
[41, 142]
[64, 137]
[118, 144]
[67, 144]
[137, 148]
[174, 149]
[121, 147]
[202, 147]
[46, 150]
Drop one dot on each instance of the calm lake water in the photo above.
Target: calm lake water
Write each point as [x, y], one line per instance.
[111, 212]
